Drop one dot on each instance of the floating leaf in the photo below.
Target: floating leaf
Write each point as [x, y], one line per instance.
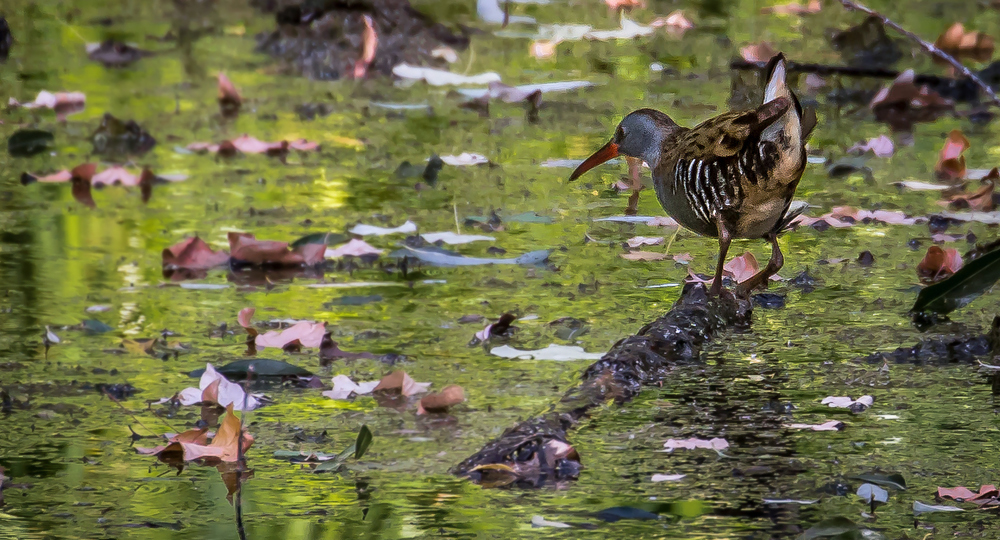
[261, 367]
[326, 239]
[552, 352]
[872, 493]
[967, 284]
[889, 480]
[436, 258]
[924, 508]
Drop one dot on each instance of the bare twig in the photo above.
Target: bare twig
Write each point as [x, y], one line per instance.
[929, 47]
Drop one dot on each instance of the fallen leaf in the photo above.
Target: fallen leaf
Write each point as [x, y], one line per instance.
[244, 247]
[716, 444]
[841, 402]
[398, 382]
[437, 258]
[452, 239]
[438, 77]
[558, 353]
[229, 97]
[938, 264]
[354, 248]
[193, 254]
[214, 388]
[881, 146]
[922, 186]
[369, 45]
[981, 200]
[902, 102]
[539, 522]
[63, 103]
[368, 230]
[638, 241]
[440, 402]
[742, 268]
[344, 388]
[115, 175]
[643, 255]
[667, 477]
[252, 145]
[308, 334]
[871, 493]
[923, 508]
[951, 162]
[986, 493]
[683, 258]
[794, 8]
[758, 52]
[189, 446]
[465, 159]
[245, 319]
[959, 43]
[829, 425]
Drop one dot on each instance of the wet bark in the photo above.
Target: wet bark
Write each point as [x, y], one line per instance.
[538, 450]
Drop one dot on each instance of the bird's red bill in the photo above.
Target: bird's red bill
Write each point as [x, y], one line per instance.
[606, 152]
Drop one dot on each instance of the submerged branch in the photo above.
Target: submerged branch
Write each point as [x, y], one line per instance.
[537, 450]
[926, 46]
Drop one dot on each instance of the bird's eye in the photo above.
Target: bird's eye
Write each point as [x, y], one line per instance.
[620, 134]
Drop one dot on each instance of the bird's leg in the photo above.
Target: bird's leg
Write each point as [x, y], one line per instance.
[635, 176]
[762, 277]
[724, 239]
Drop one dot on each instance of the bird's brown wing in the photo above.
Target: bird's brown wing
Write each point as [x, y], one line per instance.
[725, 135]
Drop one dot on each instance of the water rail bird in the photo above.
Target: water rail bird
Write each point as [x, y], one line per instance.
[732, 176]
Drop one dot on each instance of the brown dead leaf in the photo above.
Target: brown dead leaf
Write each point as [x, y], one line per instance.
[951, 162]
[139, 346]
[758, 52]
[189, 446]
[440, 402]
[193, 254]
[938, 264]
[398, 382]
[742, 268]
[959, 43]
[903, 103]
[304, 333]
[988, 493]
[244, 247]
[981, 200]
[245, 319]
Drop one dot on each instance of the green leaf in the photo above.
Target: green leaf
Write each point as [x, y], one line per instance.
[327, 239]
[333, 465]
[963, 287]
[28, 142]
[364, 441]
[837, 527]
[888, 480]
[262, 367]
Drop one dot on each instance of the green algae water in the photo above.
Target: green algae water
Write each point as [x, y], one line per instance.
[68, 450]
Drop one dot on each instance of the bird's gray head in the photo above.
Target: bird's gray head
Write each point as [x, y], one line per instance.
[640, 134]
